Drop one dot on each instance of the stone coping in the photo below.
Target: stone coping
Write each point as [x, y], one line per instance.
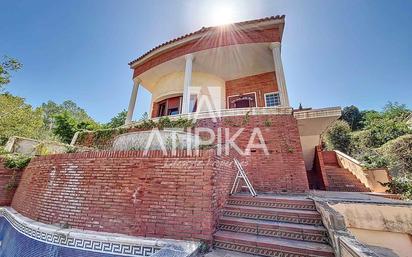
[225, 113]
[343, 242]
[318, 113]
[132, 154]
[355, 197]
[306, 114]
[109, 243]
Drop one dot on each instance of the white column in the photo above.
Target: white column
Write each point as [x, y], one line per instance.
[132, 101]
[187, 83]
[280, 75]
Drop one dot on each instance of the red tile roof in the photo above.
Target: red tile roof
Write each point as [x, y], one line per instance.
[204, 29]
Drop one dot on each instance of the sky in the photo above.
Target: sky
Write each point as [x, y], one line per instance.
[335, 53]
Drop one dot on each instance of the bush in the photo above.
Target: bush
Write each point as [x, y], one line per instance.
[103, 138]
[401, 186]
[387, 125]
[398, 152]
[372, 159]
[338, 137]
[16, 161]
[3, 151]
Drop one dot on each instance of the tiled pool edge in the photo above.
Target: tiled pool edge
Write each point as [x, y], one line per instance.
[101, 242]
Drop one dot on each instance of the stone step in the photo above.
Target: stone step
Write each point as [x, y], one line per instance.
[348, 189]
[273, 214]
[269, 246]
[345, 183]
[339, 172]
[344, 178]
[272, 202]
[274, 229]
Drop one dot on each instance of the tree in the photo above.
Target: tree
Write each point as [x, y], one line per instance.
[118, 120]
[386, 125]
[18, 118]
[65, 126]
[51, 110]
[352, 116]
[7, 65]
[338, 136]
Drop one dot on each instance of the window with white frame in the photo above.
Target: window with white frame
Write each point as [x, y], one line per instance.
[272, 99]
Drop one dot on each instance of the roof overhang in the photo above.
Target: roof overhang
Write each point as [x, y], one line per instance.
[227, 63]
[316, 121]
[278, 21]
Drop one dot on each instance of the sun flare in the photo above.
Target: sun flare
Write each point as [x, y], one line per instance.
[222, 14]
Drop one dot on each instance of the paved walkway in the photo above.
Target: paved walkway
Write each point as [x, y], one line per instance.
[354, 197]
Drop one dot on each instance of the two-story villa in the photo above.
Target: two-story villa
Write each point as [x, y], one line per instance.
[216, 70]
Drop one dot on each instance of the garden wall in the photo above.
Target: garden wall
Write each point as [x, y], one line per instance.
[9, 179]
[282, 170]
[125, 192]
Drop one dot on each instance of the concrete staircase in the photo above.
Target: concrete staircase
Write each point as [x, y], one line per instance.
[341, 179]
[272, 226]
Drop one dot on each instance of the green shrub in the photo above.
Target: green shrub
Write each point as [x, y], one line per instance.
[372, 159]
[338, 137]
[16, 161]
[398, 152]
[387, 125]
[3, 151]
[400, 185]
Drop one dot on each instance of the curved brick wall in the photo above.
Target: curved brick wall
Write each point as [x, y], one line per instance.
[283, 170]
[127, 193]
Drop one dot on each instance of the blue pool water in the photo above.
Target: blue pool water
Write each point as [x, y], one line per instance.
[16, 244]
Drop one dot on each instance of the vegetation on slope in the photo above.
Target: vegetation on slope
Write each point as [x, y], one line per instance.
[377, 139]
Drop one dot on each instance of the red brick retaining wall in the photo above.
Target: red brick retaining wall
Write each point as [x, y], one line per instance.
[319, 177]
[124, 192]
[6, 177]
[283, 169]
[329, 158]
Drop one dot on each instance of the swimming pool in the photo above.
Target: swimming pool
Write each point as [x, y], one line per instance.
[22, 237]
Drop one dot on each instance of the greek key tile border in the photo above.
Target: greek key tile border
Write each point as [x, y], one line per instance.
[95, 245]
[319, 237]
[257, 250]
[268, 204]
[274, 217]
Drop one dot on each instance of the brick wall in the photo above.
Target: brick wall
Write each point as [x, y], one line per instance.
[124, 192]
[318, 175]
[7, 176]
[283, 169]
[261, 84]
[218, 38]
[329, 158]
